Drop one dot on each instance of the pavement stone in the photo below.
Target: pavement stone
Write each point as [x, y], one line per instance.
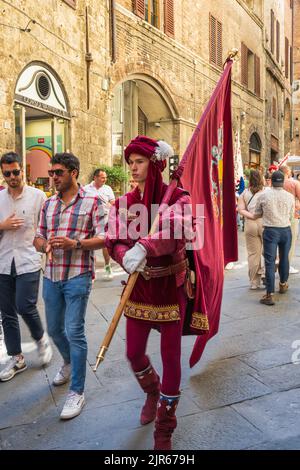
[243, 394]
[277, 415]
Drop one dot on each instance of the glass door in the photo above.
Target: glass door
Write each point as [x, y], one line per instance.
[20, 141]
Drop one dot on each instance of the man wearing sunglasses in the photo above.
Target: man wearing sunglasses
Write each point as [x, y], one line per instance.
[71, 227]
[20, 265]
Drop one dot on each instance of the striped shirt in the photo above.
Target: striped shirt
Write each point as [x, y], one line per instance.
[80, 219]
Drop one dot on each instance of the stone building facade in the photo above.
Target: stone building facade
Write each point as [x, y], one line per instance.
[52, 80]
[296, 84]
[88, 75]
[186, 66]
[278, 45]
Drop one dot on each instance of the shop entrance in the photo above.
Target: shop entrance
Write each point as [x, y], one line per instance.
[39, 136]
[41, 123]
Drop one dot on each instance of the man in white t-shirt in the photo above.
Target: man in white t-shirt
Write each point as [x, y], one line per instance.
[20, 266]
[105, 192]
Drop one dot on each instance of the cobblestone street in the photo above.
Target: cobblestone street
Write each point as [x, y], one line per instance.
[244, 393]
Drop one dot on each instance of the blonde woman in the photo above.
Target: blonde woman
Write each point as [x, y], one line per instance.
[253, 228]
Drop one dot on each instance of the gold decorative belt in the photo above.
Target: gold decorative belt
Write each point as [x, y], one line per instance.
[161, 271]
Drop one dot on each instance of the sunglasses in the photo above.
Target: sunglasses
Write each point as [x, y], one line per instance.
[8, 173]
[59, 172]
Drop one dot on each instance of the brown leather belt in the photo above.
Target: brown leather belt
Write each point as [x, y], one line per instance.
[161, 271]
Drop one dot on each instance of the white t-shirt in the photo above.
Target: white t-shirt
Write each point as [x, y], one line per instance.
[105, 193]
[18, 244]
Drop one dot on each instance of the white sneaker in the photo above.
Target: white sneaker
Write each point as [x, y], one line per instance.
[63, 375]
[256, 286]
[15, 365]
[44, 349]
[229, 266]
[108, 275]
[73, 405]
[293, 270]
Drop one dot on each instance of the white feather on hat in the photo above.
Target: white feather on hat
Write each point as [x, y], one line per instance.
[163, 150]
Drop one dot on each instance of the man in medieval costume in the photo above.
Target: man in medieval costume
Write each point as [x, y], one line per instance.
[159, 298]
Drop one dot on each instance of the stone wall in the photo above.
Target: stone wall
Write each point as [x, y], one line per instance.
[58, 39]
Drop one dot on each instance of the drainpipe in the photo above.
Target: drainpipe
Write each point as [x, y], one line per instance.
[113, 40]
[88, 58]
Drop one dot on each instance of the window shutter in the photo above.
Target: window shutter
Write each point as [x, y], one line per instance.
[286, 58]
[277, 40]
[244, 64]
[169, 17]
[272, 31]
[291, 66]
[212, 39]
[139, 8]
[72, 3]
[257, 75]
[219, 44]
[215, 41]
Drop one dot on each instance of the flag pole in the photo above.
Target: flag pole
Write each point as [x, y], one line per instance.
[171, 188]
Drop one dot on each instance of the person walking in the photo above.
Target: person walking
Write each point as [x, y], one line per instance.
[276, 207]
[71, 227]
[20, 266]
[99, 187]
[292, 186]
[158, 299]
[253, 228]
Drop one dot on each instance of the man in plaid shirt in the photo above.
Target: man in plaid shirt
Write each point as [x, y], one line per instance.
[71, 227]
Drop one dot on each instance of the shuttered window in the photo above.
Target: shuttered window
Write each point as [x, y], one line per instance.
[272, 31]
[257, 75]
[152, 12]
[215, 41]
[169, 17]
[244, 64]
[277, 41]
[72, 3]
[139, 8]
[219, 44]
[286, 58]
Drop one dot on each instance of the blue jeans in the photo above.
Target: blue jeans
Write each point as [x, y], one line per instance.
[65, 304]
[19, 295]
[274, 237]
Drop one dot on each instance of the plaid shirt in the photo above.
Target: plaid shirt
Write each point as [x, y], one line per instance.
[81, 219]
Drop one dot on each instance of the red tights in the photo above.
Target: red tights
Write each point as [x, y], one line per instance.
[170, 347]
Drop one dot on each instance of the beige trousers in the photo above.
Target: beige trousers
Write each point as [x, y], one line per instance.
[294, 229]
[254, 245]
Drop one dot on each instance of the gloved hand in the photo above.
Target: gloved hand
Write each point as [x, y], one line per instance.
[135, 259]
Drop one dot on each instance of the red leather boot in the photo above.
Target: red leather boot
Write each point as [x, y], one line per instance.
[149, 381]
[165, 422]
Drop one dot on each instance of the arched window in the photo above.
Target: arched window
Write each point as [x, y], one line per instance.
[254, 150]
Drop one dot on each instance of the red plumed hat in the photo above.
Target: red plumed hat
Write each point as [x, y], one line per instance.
[156, 150]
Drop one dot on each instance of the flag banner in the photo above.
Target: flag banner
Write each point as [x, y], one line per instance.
[284, 160]
[208, 174]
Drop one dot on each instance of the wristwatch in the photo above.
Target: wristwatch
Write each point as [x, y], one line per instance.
[78, 244]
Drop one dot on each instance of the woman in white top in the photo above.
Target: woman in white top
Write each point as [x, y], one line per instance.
[253, 228]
